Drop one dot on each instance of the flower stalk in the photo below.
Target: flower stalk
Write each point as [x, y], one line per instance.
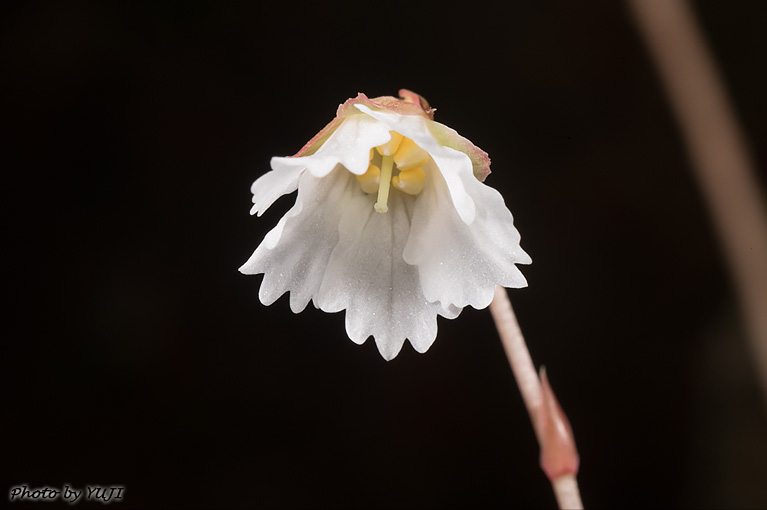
[559, 456]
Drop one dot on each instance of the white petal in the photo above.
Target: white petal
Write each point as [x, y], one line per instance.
[294, 254]
[367, 277]
[458, 263]
[349, 145]
[452, 163]
[283, 179]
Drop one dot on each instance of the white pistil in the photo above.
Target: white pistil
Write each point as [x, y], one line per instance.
[387, 163]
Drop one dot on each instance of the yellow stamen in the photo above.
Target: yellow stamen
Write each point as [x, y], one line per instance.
[390, 147]
[409, 155]
[384, 183]
[370, 179]
[408, 158]
[410, 181]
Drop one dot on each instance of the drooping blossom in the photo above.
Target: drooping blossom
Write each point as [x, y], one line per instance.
[392, 223]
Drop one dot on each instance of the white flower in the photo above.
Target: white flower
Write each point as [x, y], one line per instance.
[392, 224]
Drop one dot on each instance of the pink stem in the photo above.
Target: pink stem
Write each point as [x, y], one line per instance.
[559, 457]
[517, 353]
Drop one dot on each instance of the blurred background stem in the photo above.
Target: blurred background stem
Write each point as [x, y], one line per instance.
[719, 155]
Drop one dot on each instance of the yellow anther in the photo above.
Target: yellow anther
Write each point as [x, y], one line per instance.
[409, 155]
[370, 179]
[384, 184]
[409, 159]
[390, 147]
[410, 181]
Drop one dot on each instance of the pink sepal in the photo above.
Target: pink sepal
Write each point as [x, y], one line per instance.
[409, 103]
[448, 137]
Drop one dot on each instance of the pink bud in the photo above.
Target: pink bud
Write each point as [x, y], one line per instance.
[559, 455]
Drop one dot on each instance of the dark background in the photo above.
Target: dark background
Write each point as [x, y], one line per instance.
[137, 355]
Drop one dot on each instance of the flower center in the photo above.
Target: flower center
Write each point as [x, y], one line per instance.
[400, 154]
